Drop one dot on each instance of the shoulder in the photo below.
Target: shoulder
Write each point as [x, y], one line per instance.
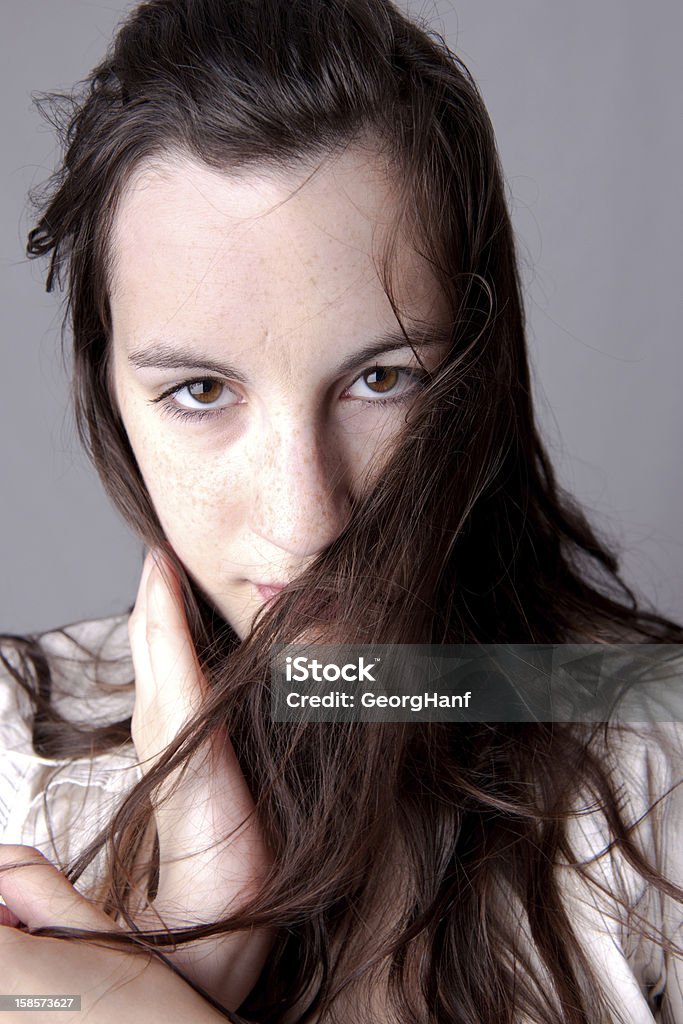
[626, 922]
[62, 681]
[56, 689]
[639, 754]
[91, 668]
[61, 777]
[645, 765]
[83, 669]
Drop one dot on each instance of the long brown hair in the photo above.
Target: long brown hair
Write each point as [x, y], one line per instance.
[465, 537]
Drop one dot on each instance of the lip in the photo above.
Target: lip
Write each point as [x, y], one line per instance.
[269, 590]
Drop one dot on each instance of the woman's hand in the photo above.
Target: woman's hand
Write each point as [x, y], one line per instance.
[202, 875]
[115, 984]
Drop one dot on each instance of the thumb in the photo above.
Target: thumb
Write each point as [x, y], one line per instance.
[38, 894]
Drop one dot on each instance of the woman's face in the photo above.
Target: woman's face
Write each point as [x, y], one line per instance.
[257, 363]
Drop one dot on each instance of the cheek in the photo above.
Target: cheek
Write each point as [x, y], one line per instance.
[371, 438]
[200, 500]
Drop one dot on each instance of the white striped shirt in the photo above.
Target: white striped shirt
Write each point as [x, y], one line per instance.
[59, 805]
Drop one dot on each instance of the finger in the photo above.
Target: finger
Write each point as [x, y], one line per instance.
[167, 624]
[7, 918]
[137, 623]
[160, 638]
[38, 894]
[169, 683]
[172, 657]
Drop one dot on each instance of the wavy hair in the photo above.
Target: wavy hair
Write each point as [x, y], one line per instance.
[465, 537]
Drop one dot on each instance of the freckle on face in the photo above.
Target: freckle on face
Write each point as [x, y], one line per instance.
[274, 274]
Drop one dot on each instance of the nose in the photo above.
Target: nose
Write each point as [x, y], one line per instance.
[301, 498]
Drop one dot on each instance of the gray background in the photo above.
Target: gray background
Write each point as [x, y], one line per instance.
[585, 98]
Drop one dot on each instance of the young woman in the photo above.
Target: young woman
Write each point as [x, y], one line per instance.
[301, 371]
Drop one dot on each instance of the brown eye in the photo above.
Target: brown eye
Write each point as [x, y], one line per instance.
[381, 379]
[205, 391]
[394, 382]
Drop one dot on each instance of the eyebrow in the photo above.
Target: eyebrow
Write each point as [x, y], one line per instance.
[164, 356]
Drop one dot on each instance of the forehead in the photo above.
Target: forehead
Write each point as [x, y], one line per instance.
[310, 233]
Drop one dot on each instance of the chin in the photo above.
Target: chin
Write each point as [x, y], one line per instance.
[241, 620]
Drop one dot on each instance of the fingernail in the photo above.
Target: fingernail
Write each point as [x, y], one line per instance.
[159, 562]
[154, 558]
[8, 919]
